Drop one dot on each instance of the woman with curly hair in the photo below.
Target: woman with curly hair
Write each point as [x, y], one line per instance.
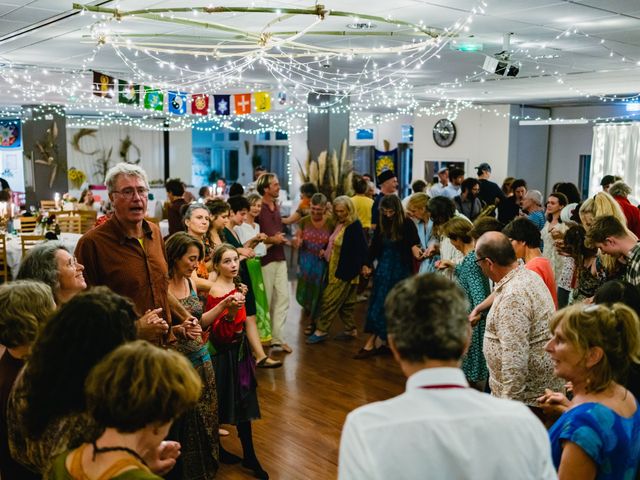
[24, 308]
[590, 272]
[47, 409]
[134, 393]
[52, 264]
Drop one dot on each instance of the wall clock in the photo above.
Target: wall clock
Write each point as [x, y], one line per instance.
[444, 132]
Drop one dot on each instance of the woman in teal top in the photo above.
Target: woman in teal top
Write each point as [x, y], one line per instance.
[135, 392]
[598, 436]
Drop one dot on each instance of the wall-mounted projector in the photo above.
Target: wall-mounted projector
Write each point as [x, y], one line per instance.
[500, 67]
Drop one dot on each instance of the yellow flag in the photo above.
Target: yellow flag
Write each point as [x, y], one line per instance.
[263, 101]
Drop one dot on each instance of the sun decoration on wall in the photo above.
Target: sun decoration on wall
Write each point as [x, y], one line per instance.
[383, 163]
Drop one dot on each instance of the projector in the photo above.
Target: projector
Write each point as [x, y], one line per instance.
[500, 67]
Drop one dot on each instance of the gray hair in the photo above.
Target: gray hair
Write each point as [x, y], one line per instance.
[535, 196]
[427, 318]
[41, 264]
[126, 169]
[348, 204]
[192, 208]
[619, 189]
[318, 199]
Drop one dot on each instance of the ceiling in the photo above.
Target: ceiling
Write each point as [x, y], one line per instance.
[566, 51]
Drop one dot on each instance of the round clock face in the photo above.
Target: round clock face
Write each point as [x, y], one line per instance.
[444, 132]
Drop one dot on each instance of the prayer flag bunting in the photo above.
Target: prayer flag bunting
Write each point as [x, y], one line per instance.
[200, 104]
[153, 99]
[221, 104]
[242, 103]
[262, 101]
[128, 93]
[103, 85]
[177, 103]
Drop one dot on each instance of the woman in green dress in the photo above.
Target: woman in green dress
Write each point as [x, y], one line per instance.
[476, 287]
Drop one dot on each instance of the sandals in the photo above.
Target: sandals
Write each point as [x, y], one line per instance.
[267, 362]
[310, 328]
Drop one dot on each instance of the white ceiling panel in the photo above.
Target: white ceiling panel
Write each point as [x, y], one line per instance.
[588, 64]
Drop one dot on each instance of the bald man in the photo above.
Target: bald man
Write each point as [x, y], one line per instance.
[517, 326]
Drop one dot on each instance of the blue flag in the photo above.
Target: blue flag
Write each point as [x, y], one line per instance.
[221, 104]
[177, 103]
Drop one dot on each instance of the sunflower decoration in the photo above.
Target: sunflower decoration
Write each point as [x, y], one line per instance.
[76, 177]
[384, 163]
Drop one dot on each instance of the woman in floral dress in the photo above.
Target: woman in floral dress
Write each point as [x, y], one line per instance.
[476, 287]
[311, 239]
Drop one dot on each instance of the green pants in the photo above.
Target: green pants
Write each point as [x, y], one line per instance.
[338, 298]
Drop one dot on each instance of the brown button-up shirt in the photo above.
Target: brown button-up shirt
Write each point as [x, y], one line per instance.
[119, 262]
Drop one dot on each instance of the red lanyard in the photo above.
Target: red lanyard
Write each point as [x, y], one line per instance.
[442, 386]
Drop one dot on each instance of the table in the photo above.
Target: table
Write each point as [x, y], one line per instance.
[14, 249]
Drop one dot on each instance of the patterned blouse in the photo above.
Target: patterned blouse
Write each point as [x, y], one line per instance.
[516, 332]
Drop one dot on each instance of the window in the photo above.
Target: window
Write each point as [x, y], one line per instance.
[275, 159]
[210, 164]
[363, 159]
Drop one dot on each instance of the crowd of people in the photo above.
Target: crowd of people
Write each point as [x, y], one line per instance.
[515, 320]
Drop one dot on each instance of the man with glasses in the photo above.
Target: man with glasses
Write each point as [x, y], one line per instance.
[126, 253]
[517, 326]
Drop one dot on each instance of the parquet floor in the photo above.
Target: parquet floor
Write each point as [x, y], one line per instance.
[304, 403]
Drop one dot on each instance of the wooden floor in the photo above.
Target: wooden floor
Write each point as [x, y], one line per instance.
[304, 403]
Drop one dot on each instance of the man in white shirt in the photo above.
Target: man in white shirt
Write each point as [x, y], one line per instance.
[443, 181]
[439, 428]
[456, 177]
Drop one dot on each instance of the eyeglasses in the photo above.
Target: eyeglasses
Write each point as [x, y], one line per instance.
[128, 193]
[478, 260]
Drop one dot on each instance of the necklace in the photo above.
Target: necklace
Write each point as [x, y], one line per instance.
[133, 453]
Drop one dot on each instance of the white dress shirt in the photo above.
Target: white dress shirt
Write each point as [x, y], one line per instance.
[444, 433]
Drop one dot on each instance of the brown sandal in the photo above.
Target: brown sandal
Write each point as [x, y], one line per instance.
[309, 329]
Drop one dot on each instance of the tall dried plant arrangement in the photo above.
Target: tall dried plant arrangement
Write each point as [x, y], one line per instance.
[332, 175]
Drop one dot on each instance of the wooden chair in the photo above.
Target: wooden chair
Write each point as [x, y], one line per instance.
[4, 266]
[69, 223]
[87, 219]
[28, 224]
[30, 241]
[47, 205]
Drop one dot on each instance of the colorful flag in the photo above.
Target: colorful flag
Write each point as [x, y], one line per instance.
[177, 103]
[221, 104]
[200, 104]
[153, 99]
[242, 103]
[263, 101]
[128, 93]
[103, 85]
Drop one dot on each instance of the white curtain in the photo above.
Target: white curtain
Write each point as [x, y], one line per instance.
[616, 151]
[149, 143]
